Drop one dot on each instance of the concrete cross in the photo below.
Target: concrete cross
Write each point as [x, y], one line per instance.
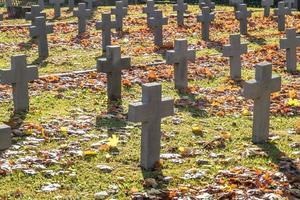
[89, 4]
[5, 137]
[18, 77]
[82, 14]
[106, 25]
[41, 3]
[150, 112]
[120, 11]
[156, 23]
[36, 11]
[205, 18]
[56, 3]
[290, 43]
[180, 57]
[113, 65]
[40, 30]
[236, 4]
[71, 5]
[242, 14]
[234, 52]
[260, 90]
[180, 7]
[207, 3]
[280, 12]
[267, 5]
[149, 9]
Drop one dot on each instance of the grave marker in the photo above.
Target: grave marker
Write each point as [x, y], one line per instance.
[234, 52]
[89, 4]
[180, 57]
[260, 90]
[207, 3]
[106, 25]
[266, 4]
[125, 3]
[156, 23]
[82, 14]
[18, 76]
[236, 4]
[150, 112]
[280, 12]
[120, 11]
[113, 65]
[290, 43]
[149, 10]
[36, 11]
[40, 30]
[205, 18]
[57, 5]
[242, 14]
[5, 137]
[180, 7]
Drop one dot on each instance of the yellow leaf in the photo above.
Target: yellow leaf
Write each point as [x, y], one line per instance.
[246, 112]
[64, 130]
[113, 141]
[89, 153]
[197, 130]
[293, 102]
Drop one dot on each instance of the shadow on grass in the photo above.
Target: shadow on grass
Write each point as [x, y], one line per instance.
[158, 176]
[256, 40]
[218, 46]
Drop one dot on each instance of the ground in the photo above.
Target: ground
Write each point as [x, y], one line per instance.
[69, 146]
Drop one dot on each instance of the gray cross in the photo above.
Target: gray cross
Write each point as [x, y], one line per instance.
[290, 43]
[267, 4]
[207, 3]
[125, 3]
[149, 9]
[40, 30]
[180, 57]
[242, 14]
[180, 7]
[236, 4]
[89, 4]
[82, 14]
[36, 11]
[71, 5]
[205, 18]
[5, 137]
[234, 52]
[18, 77]
[41, 3]
[280, 12]
[260, 90]
[120, 11]
[56, 7]
[156, 23]
[112, 65]
[150, 112]
[106, 25]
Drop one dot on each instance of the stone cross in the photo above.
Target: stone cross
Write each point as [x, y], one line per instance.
[41, 3]
[180, 57]
[180, 7]
[280, 12]
[125, 3]
[106, 25]
[56, 3]
[149, 10]
[150, 112]
[207, 3]
[82, 14]
[290, 43]
[156, 23]
[120, 11]
[234, 52]
[242, 14]
[36, 11]
[236, 4]
[19, 76]
[267, 4]
[89, 4]
[260, 90]
[5, 137]
[205, 18]
[112, 65]
[71, 5]
[40, 30]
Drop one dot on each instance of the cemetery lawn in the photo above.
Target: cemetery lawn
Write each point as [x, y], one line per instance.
[68, 134]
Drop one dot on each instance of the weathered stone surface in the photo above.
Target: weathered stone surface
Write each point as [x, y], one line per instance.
[281, 12]
[156, 23]
[82, 14]
[180, 7]
[205, 18]
[242, 15]
[5, 137]
[57, 6]
[120, 12]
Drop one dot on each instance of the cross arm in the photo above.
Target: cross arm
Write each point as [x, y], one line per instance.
[32, 73]
[7, 77]
[191, 55]
[101, 63]
[275, 84]
[137, 112]
[99, 25]
[251, 89]
[28, 15]
[125, 62]
[171, 57]
[167, 107]
[33, 31]
[227, 50]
